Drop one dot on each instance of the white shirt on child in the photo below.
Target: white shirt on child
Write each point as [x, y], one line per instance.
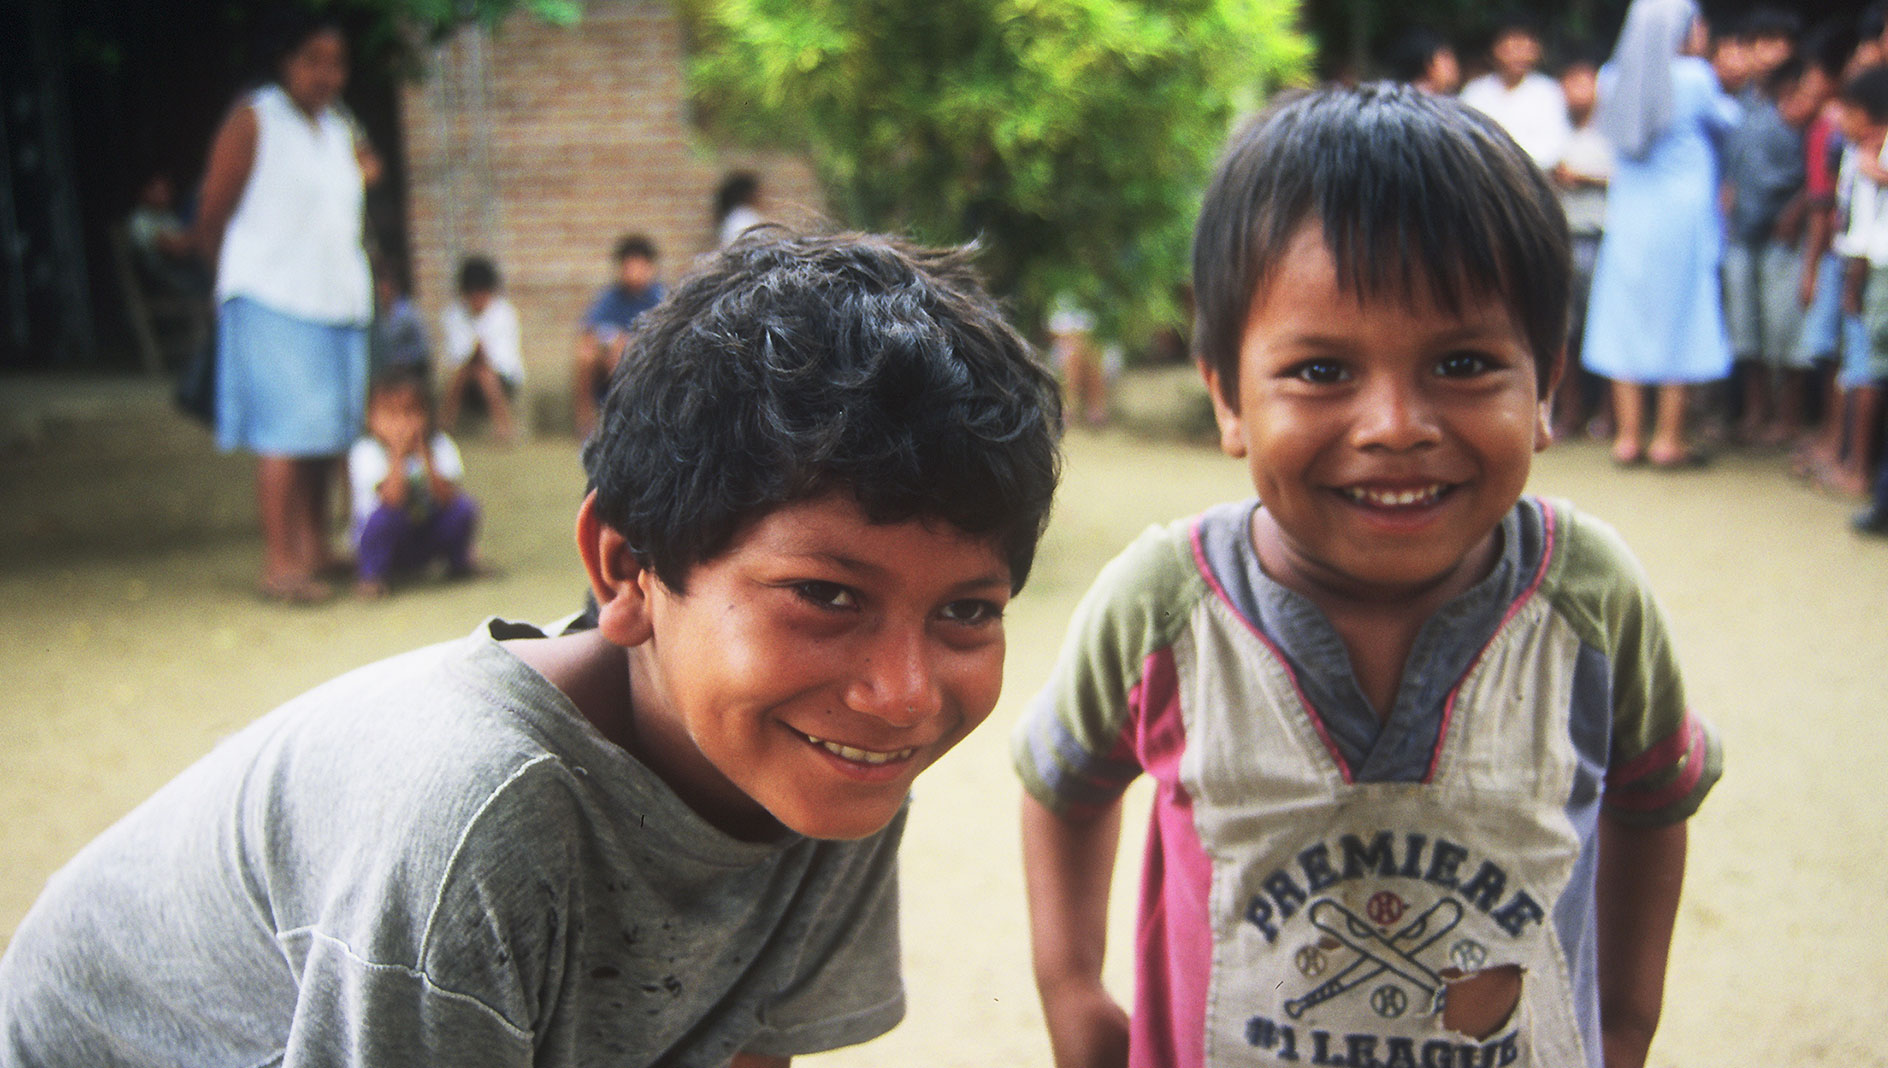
[1866, 235]
[1534, 113]
[496, 329]
[368, 465]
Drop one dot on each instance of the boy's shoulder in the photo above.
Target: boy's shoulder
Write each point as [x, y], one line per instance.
[1591, 575]
[1168, 565]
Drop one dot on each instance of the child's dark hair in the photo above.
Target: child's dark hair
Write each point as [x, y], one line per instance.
[1766, 21]
[635, 245]
[1828, 45]
[736, 189]
[1419, 196]
[1513, 21]
[1785, 77]
[1413, 54]
[402, 376]
[478, 275]
[1868, 90]
[789, 366]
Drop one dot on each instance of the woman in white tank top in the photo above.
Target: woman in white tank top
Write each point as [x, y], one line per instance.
[281, 217]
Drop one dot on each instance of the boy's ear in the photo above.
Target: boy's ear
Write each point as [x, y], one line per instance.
[1544, 411]
[621, 583]
[1232, 429]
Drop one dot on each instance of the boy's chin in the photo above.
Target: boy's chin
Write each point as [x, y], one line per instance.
[839, 824]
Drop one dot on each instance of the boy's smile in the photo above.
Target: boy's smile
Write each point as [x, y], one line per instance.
[1386, 438]
[813, 669]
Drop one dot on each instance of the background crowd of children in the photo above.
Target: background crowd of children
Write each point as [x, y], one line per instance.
[1801, 281]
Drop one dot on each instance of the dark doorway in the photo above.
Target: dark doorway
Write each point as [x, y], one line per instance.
[99, 95]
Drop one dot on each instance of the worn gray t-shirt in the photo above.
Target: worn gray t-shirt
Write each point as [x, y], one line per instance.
[436, 860]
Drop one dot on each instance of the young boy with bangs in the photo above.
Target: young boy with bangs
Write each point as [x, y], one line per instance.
[668, 840]
[1420, 749]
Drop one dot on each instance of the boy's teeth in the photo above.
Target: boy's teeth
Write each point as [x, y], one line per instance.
[860, 756]
[1394, 498]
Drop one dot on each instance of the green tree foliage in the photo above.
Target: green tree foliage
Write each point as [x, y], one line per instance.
[1071, 137]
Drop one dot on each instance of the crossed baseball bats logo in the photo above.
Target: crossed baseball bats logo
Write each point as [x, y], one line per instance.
[1396, 954]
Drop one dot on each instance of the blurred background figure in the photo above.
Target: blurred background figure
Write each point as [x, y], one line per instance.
[1580, 178]
[737, 206]
[484, 350]
[1078, 360]
[606, 326]
[1526, 103]
[1765, 211]
[281, 216]
[1422, 58]
[1656, 316]
[399, 337]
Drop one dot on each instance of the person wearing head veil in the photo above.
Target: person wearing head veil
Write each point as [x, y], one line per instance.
[1655, 317]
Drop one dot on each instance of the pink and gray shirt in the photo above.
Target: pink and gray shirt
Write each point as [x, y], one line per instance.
[1314, 877]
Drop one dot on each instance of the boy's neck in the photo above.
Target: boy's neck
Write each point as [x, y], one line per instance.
[596, 676]
[1378, 625]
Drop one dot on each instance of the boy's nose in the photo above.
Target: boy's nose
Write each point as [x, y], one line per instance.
[896, 680]
[1395, 416]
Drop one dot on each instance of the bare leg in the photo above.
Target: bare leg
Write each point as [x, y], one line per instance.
[496, 402]
[282, 488]
[1668, 433]
[275, 492]
[1851, 477]
[583, 378]
[455, 388]
[318, 474]
[1628, 422]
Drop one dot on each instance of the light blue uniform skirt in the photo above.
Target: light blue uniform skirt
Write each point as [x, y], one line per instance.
[287, 386]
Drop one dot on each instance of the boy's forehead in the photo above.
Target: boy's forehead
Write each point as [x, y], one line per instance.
[1311, 257]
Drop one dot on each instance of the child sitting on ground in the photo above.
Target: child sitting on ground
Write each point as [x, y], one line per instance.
[1420, 748]
[484, 350]
[409, 509]
[670, 840]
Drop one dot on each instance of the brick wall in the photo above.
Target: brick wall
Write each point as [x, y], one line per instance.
[539, 145]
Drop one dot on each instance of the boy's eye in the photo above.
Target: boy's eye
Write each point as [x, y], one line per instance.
[829, 595]
[972, 611]
[1464, 365]
[1318, 372]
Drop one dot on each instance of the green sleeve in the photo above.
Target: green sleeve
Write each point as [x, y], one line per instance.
[1663, 759]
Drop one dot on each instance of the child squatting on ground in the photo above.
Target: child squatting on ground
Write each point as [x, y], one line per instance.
[409, 509]
[668, 840]
[1420, 749]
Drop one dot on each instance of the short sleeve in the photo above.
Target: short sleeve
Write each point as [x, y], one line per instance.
[366, 470]
[503, 339]
[1662, 758]
[1072, 748]
[447, 463]
[457, 334]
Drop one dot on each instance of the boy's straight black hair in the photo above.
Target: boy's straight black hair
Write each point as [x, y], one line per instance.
[1868, 90]
[1419, 197]
[787, 367]
[477, 274]
[635, 245]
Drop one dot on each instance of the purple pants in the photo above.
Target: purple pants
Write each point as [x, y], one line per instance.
[393, 540]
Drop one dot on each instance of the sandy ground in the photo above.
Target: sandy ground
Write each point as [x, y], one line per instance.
[127, 556]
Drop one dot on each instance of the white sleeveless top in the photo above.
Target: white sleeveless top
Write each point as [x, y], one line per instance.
[294, 243]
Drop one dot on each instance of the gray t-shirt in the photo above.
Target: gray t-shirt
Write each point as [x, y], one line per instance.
[436, 860]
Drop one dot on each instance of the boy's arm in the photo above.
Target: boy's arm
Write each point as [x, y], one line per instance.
[1641, 869]
[1067, 867]
[1821, 236]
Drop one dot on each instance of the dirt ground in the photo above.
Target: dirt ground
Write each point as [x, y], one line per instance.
[128, 550]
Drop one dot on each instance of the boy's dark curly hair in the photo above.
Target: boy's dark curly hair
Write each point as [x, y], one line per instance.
[1418, 195]
[790, 366]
